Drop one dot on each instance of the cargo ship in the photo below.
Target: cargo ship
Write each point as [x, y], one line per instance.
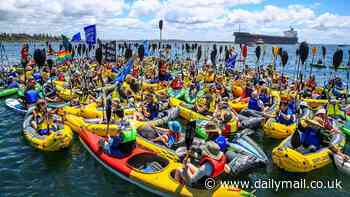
[290, 37]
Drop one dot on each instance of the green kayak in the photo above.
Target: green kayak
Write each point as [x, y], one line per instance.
[8, 92]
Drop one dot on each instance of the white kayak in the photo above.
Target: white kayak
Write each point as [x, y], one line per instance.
[343, 166]
[15, 105]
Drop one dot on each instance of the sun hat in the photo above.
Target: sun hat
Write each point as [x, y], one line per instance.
[212, 150]
[175, 126]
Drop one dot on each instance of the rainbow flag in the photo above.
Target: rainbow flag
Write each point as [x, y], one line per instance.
[63, 55]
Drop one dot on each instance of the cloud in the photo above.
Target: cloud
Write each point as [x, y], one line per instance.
[183, 19]
[142, 8]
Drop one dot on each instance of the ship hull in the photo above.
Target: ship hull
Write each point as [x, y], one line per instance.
[247, 38]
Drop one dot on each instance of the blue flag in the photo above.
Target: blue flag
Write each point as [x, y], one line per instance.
[90, 34]
[230, 63]
[124, 72]
[76, 37]
[146, 46]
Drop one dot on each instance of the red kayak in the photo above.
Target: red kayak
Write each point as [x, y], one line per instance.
[150, 171]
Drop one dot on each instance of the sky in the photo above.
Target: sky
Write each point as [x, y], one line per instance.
[317, 21]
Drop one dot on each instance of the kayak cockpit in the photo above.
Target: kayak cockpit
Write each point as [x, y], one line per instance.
[148, 162]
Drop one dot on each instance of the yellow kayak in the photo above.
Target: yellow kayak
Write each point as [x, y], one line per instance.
[277, 130]
[54, 141]
[285, 157]
[237, 106]
[190, 115]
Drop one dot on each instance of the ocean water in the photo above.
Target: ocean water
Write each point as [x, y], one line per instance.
[25, 171]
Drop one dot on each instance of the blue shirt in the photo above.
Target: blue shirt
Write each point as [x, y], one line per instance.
[284, 121]
[255, 104]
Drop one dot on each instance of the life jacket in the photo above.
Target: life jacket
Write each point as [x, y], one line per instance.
[218, 165]
[254, 105]
[128, 136]
[31, 96]
[176, 84]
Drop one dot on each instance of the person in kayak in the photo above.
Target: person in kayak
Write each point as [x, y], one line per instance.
[40, 118]
[255, 103]
[265, 97]
[285, 115]
[248, 91]
[151, 107]
[310, 136]
[31, 96]
[168, 136]
[164, 75]
[212, 164]
[123, 143]
[224, 116]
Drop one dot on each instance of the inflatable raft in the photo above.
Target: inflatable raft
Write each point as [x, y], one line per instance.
[285, 157]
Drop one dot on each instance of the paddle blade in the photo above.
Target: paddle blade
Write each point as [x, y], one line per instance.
[160, 25]
[337, 58]
[189, 135]
[227, 55]
[304, 51]
[324, 51]
[258, 52]
[284, 58]
[213, 57]
[141, 52]
[220, 49]
[108, 109]
[98, 55]
[39, 57]
[245, 51]
[199, 53]
[314, 51]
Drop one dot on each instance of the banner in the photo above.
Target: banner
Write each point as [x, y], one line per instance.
[76, 37]
[110, 51]
[90, 34]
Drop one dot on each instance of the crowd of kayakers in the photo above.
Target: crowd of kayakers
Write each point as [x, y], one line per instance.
[214, 107]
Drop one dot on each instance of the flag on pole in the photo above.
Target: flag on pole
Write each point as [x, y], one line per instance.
[76, 37]
[231, 61]
[63, 55]
[90, 34]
